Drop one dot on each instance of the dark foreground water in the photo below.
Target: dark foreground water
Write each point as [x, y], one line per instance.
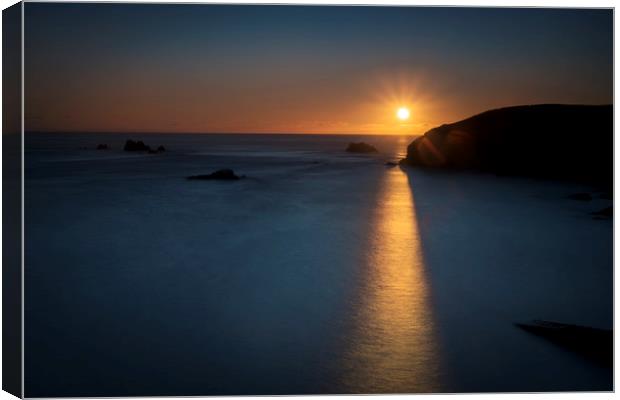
[321, 272]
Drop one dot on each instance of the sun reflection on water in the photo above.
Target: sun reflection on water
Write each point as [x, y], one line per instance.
[393, 348]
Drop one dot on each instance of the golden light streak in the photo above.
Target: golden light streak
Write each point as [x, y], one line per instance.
[394, 348]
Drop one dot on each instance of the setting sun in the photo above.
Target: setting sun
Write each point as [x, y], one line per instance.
[403, 113]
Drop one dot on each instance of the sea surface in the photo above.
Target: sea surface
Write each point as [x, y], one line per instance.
[320, 272]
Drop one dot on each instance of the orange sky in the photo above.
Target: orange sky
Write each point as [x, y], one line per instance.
[199, 68]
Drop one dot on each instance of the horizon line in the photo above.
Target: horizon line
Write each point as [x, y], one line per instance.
[217, 133]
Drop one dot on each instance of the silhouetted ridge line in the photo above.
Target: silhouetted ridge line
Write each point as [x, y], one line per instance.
[549, 141]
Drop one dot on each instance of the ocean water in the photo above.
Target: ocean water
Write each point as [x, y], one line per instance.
[321, 272]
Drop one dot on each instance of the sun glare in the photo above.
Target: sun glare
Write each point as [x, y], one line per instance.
[402, 113]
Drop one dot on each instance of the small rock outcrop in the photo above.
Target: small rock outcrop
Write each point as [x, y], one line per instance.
[391, 164]
[607, 212]
[361, 147]
[131, 145]
[160, 149]
[592, 343]
[102, 147]
[222, 175]
[580, 196]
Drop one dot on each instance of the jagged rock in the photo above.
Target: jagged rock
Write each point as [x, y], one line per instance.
[131, 145]
[361, 147]
[222, 174]
[160, 149]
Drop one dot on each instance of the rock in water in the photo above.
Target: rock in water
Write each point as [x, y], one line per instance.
[580, 196]
[102, 147]
[222, 174]
[361, 147]
[130, 145]
[160, 149]
[607, 212]
[592, 343]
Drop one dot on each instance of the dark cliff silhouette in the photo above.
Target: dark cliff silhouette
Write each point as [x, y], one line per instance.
[554, 141]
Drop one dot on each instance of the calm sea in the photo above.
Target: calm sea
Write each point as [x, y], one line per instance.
[320, 272]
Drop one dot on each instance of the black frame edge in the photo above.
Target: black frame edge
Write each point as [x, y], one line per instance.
[12, 201]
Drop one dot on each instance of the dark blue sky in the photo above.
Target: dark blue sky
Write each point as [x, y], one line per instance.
[145, 67]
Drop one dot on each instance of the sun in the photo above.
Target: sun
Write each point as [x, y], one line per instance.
[402, 113]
